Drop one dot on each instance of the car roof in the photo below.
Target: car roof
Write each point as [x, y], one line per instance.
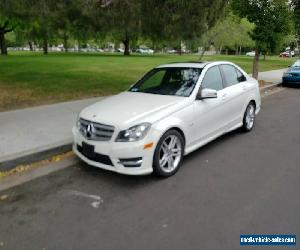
[191, 64]
[196, 64]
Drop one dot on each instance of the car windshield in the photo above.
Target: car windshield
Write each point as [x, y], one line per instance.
[168, 81]
[296, 64]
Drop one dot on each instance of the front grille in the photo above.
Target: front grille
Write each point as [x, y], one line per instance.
[104, 159]
[95, 131]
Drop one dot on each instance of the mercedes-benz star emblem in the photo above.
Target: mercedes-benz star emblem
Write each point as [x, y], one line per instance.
[89, 130]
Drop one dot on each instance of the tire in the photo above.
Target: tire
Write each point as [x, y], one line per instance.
[249, 117]
[168, 154]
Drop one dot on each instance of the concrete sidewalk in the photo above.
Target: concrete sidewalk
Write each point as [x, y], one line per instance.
[34, 130]
[273, 76]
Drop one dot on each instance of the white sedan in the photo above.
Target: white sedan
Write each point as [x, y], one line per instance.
[145, 51]
[251, 53]
[173, 110]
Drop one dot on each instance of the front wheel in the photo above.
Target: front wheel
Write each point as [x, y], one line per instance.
[249, 117]
[168, 154]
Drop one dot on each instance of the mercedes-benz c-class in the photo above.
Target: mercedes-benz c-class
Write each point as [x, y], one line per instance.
[171, 111]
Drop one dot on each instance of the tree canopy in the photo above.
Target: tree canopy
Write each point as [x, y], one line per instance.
[125, 20]
[272, 22]
[255, 23]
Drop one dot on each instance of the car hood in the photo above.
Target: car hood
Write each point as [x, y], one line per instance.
[294, 70]
[131, 108]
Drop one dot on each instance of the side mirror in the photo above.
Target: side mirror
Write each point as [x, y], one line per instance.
[207, 94]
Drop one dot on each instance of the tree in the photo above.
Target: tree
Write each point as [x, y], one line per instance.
[5, 27]
[12, 14]
[121, 18]
[295, 4]
[231, 32]
[172, 20]
[271, 19]
[180, 21]
[154, 15]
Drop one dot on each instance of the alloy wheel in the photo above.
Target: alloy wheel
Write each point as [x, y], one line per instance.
[170, 153]
[250, 116]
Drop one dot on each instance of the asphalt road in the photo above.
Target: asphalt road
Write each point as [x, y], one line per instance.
[239, 184]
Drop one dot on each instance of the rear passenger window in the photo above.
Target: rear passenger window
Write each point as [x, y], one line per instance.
[213, 79]
[230, 74]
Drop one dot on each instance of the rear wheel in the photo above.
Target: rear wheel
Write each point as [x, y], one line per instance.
[168, 154]
[249, 117]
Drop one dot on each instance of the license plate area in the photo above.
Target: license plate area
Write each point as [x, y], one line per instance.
[88, 150]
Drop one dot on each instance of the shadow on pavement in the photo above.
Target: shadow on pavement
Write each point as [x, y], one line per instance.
[133, 181]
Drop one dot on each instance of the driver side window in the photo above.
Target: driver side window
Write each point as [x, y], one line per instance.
[213, 79]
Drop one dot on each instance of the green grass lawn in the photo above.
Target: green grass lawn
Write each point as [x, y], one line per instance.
[29, 79]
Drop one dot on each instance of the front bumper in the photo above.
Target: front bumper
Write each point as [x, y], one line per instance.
[117, 152]
[291, 79]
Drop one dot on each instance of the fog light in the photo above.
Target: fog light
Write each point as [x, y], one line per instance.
[131, 162]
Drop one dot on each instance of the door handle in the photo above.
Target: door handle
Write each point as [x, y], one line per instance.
[224, 96]
[244, 87]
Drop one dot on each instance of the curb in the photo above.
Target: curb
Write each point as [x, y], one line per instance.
[270, 87]
[35, 156]
[21, 178]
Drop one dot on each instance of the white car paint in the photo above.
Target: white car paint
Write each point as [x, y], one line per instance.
[201, 121]
[251, 53]
[145, 51]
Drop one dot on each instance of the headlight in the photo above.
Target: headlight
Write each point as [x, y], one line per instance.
[286, 74]
[134, 133]
[78, 121]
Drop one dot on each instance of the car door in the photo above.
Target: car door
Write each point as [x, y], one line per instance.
[235, 92]
[209, 113]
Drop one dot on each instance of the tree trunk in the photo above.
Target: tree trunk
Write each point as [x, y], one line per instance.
[66, 42]
[45, 45]
[79, 46]
[236, 50]
[153, 45]
[30, 46]
[3, 47]
[180, 49]
[220, 49]
[255, 64]
[240, 50]
[126, 43]
[202, 52]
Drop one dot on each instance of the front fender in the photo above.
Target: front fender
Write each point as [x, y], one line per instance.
[172, 122]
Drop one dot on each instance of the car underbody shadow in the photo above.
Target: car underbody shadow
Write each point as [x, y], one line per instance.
[291, 85]
[128, 180]
[209, 146]
[106, 175]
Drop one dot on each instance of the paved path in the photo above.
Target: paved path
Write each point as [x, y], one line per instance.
[239, 184]
[273, 76]
[30, 130]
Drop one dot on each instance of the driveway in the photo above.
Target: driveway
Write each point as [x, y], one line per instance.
[239, 184]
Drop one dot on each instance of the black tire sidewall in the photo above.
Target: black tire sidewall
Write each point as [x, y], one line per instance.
[156, 167]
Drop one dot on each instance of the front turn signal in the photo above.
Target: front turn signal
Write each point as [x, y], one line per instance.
[148, 145]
